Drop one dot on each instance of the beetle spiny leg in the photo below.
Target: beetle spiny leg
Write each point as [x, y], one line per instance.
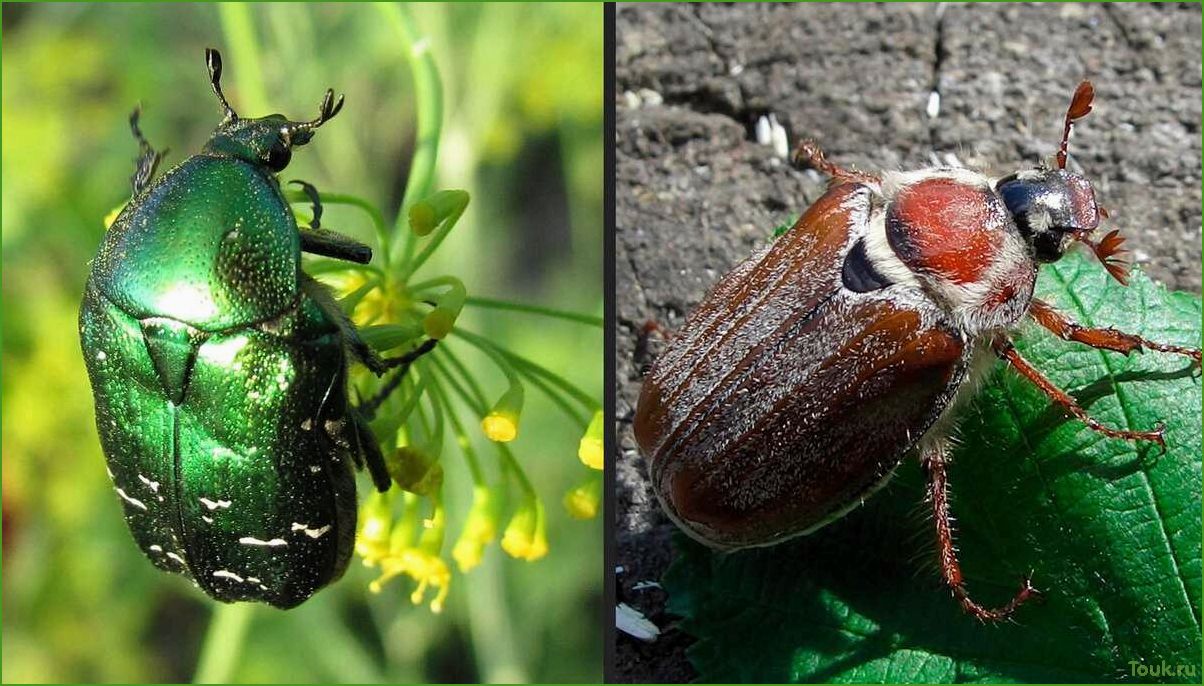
[408, 358]
[213, 60]
[809, 153]
[935, 461]
[402, 364]
[1007, 351]
[1105, 339]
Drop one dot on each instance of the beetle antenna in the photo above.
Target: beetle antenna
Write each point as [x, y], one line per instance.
[213, 60]
[1108, 251]
[1080, 106]
[326, 112]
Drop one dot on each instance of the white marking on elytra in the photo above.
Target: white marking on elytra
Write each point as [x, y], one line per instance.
[132, 501]
[109, 472]
[100, 355]
[251, 540]
[312, 533]
[156, 548]
[307, 424]
[207, 518]
[215, 504]
[224, 574]
[175, 557]
[253, 580]
[153, 485]
[314, 469]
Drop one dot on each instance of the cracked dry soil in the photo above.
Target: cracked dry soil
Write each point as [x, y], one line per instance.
[696, 194]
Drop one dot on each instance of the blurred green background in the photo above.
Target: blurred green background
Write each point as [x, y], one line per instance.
[522, 132]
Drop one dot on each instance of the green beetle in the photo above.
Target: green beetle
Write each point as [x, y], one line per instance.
[219, 368]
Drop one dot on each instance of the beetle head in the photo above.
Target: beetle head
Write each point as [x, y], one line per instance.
[1051, 207]
[266, 141]
[1054, 207]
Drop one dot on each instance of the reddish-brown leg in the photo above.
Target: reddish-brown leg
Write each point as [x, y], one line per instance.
[1007, 351]
[1108, 339]
[808, 153]
[652, 326]
[935, 461]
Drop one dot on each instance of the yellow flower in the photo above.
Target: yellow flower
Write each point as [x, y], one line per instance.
[429, 571]
[583, 501]
[375, 527]
[420, 562]
[438, 322]
[501, 424]
[590, 451]
[479, 530]
[526, 537]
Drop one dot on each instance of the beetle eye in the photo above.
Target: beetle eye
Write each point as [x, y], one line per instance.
[279, 155]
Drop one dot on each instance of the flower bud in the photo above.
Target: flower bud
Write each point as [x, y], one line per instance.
[429, 213]
[501, 424]
[590, 450]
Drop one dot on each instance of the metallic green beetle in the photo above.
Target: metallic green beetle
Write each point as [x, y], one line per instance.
[219, 368]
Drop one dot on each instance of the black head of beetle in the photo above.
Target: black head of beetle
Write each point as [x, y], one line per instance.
[1051, 208]
[266, 141]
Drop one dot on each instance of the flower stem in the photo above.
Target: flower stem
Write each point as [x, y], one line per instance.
[244, 48]
[428, 95]
[495, 304]
[462, 440]
[223, 643]
[517, 361]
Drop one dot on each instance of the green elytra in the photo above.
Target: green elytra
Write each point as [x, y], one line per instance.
[219, 368]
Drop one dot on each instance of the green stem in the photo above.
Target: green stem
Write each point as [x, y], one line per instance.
[461, 436]
[475, 399]
[223, 644]
[428, 94]
[496, 351]
[244, 51]
[558, 399]
[477, 402]
[495, 304]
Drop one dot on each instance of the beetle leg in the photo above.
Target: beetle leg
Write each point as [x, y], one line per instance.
[1108, 339]
[315, 201]
[402, 364]
[1007, 351]
[319, 241]
[371, 453]
[407, 359]
[367, 410]
[809, 153]
[148, 157]
[935, 461]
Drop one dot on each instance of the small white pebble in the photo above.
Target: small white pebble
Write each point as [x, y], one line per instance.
[781, 146]
[651, 98]
[934, 105]
[764, 132]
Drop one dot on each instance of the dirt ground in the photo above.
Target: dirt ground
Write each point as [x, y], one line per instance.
[696, 193]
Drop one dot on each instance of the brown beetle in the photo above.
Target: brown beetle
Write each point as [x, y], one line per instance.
[809, 372]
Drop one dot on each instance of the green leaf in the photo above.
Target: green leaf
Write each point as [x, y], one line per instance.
[1109, 528]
